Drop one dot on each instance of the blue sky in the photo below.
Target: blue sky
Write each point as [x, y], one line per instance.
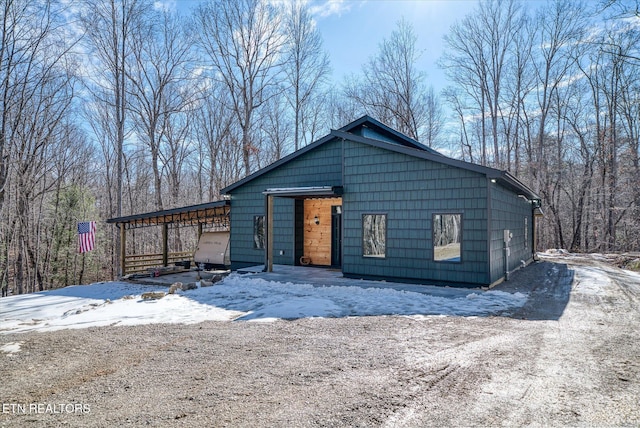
[354, 29]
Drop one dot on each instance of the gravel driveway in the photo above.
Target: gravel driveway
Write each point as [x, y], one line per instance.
[569, 357]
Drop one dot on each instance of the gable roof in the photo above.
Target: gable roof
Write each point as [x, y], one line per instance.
[278, 163]
[359, 126]
[392, 140]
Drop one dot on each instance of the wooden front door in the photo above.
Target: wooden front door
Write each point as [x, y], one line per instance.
[318, 239]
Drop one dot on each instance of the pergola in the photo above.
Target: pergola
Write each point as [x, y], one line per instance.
[210, 213]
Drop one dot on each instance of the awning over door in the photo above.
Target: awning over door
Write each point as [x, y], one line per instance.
[304, 192]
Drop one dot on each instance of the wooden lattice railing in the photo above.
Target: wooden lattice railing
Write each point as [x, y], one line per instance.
[138, 263]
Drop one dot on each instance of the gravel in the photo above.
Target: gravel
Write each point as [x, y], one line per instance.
[569, 357]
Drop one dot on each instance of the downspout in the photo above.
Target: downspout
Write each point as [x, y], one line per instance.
[489, 219]
[535, 213]
[342, 204]
[507, 252]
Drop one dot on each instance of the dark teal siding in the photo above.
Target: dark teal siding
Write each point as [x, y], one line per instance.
[409, 191]
[319, 167]
[508, 211]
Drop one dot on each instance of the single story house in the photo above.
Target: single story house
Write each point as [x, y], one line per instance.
[377, 204]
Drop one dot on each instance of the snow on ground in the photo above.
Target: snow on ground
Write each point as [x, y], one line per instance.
[11, 347]
[237, 297]
[595, 279]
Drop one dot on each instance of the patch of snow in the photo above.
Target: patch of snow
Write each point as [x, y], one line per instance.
[238, 297]
[592, 280]
[556, 251]
[11, 347]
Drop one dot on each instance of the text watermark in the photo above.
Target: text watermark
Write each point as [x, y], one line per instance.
[45, 408]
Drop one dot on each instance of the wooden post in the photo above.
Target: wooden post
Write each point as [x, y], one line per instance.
[269, 233]
[165, 241]
[123, 249]
[199, 231]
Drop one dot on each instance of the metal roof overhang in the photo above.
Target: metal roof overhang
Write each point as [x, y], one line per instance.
[207, 213]
[305, 192]
[515, 185]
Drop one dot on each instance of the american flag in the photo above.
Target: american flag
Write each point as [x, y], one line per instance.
[86, 236]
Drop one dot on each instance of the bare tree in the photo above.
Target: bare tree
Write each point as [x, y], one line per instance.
[456, 101]
[109, 27]
[103, 131]
[307, 68]
[434, 118]
[392, 88]
[520, 82]
[465, 65]
[243, 40]
[560, 25]
[36, 91]
[175, 152]
[478, 49]
[609, 73]
[340, 108]
[581, 164]
[220, 148]
[158, 77]
[276, 130]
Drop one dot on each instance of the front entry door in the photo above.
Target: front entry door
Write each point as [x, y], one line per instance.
[336, 235]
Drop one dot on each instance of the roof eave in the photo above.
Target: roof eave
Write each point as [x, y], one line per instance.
[509, 180]
[170, 212]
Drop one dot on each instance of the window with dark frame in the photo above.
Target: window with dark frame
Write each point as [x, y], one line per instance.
[374, 235]
[526, 233]
[447, 237]
[258, 232]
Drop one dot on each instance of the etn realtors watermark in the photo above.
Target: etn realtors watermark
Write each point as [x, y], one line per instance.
[45, 408]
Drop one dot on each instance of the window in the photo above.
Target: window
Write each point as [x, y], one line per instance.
[374, 235]
[258, 232]
[447, 237]
[526, 233]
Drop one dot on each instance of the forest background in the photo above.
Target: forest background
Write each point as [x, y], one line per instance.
[116, 107]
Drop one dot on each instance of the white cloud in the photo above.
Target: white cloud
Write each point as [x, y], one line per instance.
[165, 5]
[330, 7]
